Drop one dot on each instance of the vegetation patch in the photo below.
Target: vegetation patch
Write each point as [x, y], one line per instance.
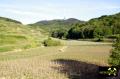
[6, 48]
[51, 42]
[11, 39]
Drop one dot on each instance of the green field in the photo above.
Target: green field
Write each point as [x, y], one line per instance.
[79, 59]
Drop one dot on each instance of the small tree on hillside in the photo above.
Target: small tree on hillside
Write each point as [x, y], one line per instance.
[115, 54]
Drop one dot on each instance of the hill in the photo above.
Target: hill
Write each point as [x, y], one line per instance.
[110, 21]
[104, 26]
[9, 20]
[15, 36]
[51, 25]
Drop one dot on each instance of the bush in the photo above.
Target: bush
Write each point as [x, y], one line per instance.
[112, 37]
[51, 42]
[100, 39]
[27, 46]
[115, 53]
[61, 33]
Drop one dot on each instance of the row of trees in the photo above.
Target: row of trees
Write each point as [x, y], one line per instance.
[82, 32]
[89, 31]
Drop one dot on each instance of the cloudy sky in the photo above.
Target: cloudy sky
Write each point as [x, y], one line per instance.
[30, 11]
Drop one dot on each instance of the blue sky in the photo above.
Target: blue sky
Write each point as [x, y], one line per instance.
[30, 11]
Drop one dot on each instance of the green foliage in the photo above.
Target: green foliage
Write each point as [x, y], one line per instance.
[51, 42]
[107, 23]
[115, 53]
[96, 28]
[112, 36]
[61, 33]
[98, 32]
[88, 32]
[80, 31]
[99, 39]
[110, 71]
[75, 33]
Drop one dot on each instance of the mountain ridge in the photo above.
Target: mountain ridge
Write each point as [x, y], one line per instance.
[51, 25]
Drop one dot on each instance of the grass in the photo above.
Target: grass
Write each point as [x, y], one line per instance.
[15, 36]
[60, 62]
[6, 48]
[11, 39]
[91, 54]
[52, 42]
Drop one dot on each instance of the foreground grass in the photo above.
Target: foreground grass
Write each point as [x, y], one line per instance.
[59, 62]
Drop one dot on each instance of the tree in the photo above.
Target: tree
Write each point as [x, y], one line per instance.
[115, 54]
[75, 33]
[88, 32]
[61, 33]
[107, 31]
[98, 32]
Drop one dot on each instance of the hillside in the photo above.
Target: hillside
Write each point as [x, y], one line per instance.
[15, 36]
[50, 25]
[106, 20]
[110, 21]
[104, 26]
[9, 20]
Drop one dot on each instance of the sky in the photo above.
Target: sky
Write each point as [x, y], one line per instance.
[31, 11]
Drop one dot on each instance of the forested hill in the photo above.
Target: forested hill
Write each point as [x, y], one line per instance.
[103, 26]
[9, 20]
[106, 20]
[50, 25]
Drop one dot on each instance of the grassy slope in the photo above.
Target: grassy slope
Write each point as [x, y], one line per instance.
[10, 20]
[15, 36]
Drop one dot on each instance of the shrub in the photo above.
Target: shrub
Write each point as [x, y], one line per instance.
[115, 53]
[51, 42]
[27, 46]
[112, 37]
[100, 39]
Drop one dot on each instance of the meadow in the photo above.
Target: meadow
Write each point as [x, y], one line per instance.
[73, 60]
